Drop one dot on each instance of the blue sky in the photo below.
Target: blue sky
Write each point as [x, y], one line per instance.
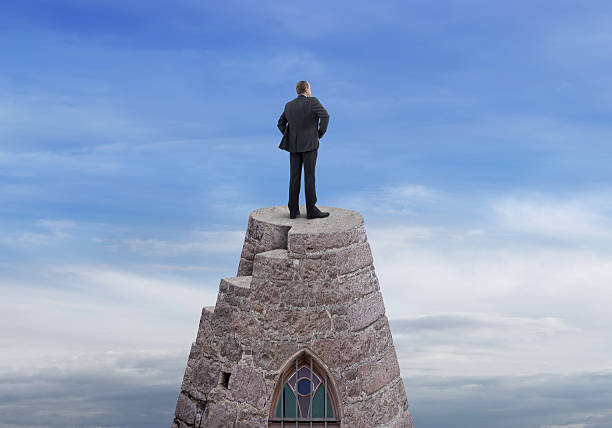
[136, 137]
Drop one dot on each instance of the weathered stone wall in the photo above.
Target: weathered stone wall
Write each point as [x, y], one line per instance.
[302, 284]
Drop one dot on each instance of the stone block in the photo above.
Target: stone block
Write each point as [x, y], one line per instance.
[346, 288]
[220, 415]
[245, 267]
[404, 421]
[379, 409]
[186, 409]
[206, 337]
[297, 293]
[268, 292]
[269, 354]
[353, 258]
[305, 242]
[383, 339]
[364, 312]
[286, 321]
[236, 286]
[261, 423]
[273, 265]
[203, 372]
[246, 324]
[345, 351]
[247, 385]
[378, 374]
[323, 268]
[230, 348]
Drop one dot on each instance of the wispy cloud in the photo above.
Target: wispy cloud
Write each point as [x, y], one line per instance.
[114, 389]
[203, 242]
[583, 219]
[490, 344]
[59, 228]
[531, 282]
[565, 426]
[28, 118]
[388, 200]
[89, 309]
[509, 401]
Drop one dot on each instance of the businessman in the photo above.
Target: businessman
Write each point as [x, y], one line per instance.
[303, 122]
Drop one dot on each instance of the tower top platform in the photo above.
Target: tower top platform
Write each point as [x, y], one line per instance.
[271, 228]
[339, 219]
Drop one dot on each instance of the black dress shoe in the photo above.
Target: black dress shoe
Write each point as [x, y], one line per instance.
[317, 213]
[294, 214]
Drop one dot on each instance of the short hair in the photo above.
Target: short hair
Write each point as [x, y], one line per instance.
[301, 86]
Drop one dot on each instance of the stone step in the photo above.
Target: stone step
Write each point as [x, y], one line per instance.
[282, 264]
[236, 285]
[274, 265]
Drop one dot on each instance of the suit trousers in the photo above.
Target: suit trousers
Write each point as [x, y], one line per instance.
[296, 160]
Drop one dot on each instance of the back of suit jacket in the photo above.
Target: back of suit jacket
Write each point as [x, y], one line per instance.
[300, 125]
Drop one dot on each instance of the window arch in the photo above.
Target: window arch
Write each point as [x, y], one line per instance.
[304, 396]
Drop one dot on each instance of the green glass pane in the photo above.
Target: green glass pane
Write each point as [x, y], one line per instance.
[330, 411]
[289, 402]
[318, 403]
[278, 408]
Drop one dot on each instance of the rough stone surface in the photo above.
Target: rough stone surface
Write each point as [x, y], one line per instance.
[365, 311]
[186, 409]
[302, 286]
[376, 374]
[246, 386]
[221, 415]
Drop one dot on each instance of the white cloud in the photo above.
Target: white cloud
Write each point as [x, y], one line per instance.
[564, 426]
[41, 114]
[84, 309]
[177, 268]
[28, 162]
[47, 231]
[577, 219]
[94, 389]
[500, 299]
[59, 228]
[200, 242]
[390, 200]
[489, 344]
[478, 401]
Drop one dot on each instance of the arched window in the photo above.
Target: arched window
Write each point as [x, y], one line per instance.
[304, 396]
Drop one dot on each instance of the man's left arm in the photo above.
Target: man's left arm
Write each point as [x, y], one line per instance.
[322, 114]
[282, 123]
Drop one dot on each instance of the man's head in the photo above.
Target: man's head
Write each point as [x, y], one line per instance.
[303, 87]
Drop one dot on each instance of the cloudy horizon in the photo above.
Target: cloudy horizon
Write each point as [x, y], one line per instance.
[136, 137]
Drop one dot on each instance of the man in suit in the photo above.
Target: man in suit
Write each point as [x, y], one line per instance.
[303, 123]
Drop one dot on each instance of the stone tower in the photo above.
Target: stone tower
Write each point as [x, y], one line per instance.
[299, 338]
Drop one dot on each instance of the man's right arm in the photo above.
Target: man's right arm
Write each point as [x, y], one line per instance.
[282, 123]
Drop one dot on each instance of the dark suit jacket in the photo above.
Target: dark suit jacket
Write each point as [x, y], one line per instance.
[300, 125]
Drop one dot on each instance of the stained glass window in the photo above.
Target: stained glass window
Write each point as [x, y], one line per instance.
[304, 397]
